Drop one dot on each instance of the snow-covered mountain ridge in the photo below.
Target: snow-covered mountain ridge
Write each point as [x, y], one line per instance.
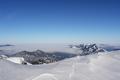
[40, 57]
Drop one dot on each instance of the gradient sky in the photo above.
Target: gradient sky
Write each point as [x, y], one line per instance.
[57, 21]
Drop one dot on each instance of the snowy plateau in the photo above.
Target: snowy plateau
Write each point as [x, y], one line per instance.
[86, 62]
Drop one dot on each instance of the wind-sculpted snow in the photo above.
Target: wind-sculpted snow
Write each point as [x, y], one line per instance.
[92, 67]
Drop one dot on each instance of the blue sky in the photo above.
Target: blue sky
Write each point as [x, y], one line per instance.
[59, 21]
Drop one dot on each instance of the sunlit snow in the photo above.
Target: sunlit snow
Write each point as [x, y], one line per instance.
[92, 67]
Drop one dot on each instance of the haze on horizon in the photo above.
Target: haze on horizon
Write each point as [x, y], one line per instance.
[59, 21]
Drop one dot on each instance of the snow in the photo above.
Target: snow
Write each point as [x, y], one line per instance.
[92, 67]
[46, 76]
[18, 60]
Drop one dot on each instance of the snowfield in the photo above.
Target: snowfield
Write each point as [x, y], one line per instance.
[102, 66]
[17, 60]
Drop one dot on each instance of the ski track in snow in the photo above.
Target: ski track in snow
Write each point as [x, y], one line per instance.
[73, 67]
[45, 76]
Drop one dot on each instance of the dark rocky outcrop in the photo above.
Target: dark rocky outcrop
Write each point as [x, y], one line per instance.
[40, 57]
[87, 49]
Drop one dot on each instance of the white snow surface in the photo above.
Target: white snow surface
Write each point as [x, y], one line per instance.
[17, 60]
[91, 67]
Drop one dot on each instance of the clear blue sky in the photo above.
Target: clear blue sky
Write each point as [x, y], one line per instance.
[49, 21]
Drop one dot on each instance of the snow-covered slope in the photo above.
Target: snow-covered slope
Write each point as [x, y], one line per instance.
[18, 60]
[92, 67]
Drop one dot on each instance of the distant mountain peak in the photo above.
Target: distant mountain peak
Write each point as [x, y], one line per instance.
[5, 45]
[40, 57]
[87, 49]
